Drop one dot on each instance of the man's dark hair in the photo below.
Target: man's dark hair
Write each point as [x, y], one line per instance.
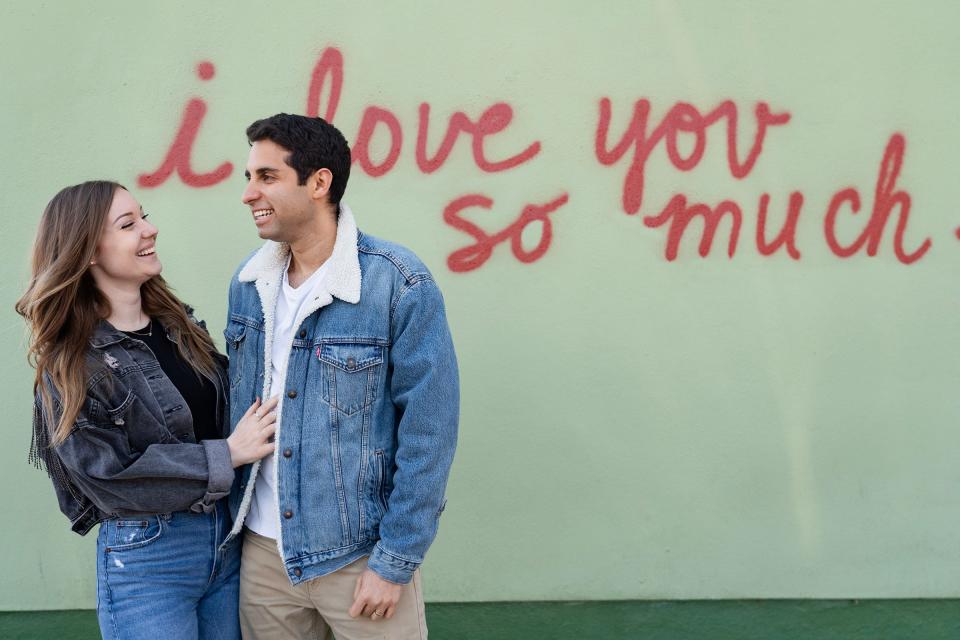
[313, 143]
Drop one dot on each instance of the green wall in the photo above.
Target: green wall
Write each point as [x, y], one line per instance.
[634, 426]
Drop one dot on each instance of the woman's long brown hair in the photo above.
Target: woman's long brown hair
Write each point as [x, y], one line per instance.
[63, 306]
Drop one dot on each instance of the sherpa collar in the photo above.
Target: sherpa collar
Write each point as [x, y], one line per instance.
[343, 267]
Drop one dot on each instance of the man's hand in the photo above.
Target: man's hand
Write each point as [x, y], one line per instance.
[375, 597]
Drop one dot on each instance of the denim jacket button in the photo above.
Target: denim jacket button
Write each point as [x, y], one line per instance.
[297, 571]
[292, 394]
[351, 363]
[288, 514]
[118, 421]
[303, 333]
[287, 453]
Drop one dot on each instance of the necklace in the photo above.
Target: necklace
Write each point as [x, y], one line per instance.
[147, 334]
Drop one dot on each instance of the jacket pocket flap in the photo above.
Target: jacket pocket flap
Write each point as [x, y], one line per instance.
[123, 406]
[100, 412]
[234, 333]
[351, 357]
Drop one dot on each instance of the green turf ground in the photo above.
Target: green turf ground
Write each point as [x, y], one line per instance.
[709, 620]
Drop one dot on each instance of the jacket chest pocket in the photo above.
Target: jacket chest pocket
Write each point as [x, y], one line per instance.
[351, 375]
[130, 415]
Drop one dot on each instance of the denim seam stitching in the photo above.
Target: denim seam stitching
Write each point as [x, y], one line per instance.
[396, 557]
[337, 466]
[335, 340]
[407, 288]
[216, 552]
[329, 554]
[396, 303]
[246, 321]
[394, 260]
[106, 584]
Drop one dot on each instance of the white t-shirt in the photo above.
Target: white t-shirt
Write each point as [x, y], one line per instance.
[264, 516]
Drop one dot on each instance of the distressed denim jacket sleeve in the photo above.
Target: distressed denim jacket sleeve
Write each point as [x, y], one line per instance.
[426, 392]
[163, 478]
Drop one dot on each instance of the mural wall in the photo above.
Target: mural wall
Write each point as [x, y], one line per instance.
[699, 259]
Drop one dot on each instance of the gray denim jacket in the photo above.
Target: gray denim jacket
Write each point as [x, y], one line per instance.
[132, 449]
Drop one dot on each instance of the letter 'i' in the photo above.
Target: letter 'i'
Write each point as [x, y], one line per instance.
[178, 156]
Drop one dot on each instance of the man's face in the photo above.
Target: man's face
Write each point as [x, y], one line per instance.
[280, 206]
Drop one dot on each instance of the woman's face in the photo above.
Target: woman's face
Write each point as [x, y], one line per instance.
[126, 254]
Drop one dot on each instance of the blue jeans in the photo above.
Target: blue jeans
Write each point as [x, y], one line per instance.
[166, 576]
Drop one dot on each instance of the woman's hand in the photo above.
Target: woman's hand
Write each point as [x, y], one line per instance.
[252, 439]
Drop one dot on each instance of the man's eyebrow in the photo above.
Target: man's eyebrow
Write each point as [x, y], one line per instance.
[261, 171]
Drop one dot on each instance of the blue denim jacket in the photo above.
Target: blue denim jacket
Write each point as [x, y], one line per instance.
[370, 409]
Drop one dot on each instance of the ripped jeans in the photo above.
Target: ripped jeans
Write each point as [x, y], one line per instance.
[168, 576]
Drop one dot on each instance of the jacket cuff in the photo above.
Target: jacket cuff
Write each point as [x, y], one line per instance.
[390, 567]
[219, 474]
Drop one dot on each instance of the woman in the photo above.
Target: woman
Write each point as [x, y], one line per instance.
[130, 419]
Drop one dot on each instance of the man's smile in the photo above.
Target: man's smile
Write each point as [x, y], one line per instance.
[261, 216]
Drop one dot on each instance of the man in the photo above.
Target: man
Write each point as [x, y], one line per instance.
[350, 333]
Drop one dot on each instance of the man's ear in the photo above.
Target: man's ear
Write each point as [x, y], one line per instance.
[320, 183]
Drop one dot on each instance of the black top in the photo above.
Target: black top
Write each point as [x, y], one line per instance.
[196, 389]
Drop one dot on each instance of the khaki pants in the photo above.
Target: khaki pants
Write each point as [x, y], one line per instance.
[271, 608]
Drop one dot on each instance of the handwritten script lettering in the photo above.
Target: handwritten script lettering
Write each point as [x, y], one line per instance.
[682, 134]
